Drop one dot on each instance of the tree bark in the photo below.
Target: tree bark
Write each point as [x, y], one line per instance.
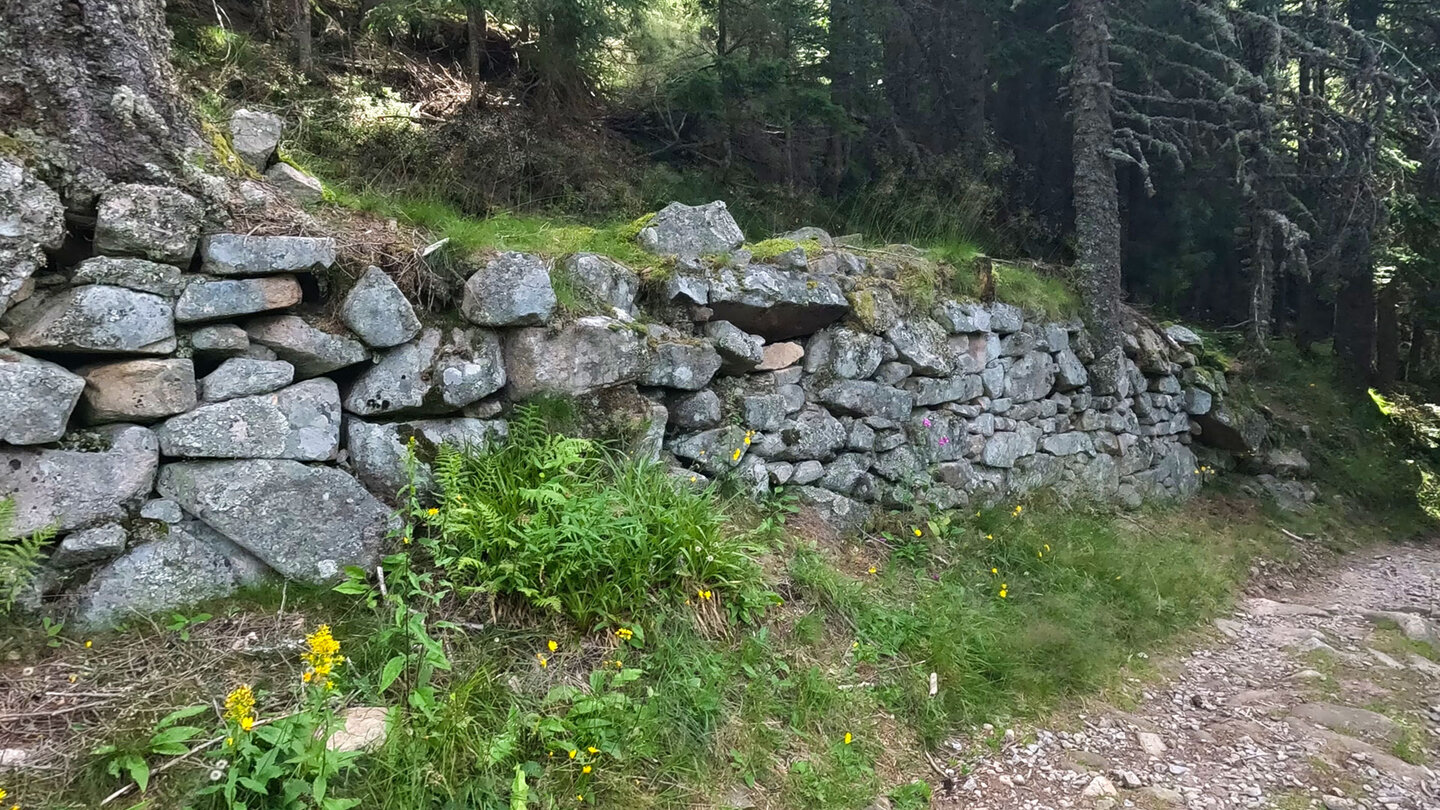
[300, 35]
[475, 29]
[1387, 336]
[88, 85]
[1415, 358]
[1097, 199]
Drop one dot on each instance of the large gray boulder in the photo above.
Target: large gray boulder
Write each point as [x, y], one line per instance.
[36, 399]
[776, 304]
[1030, 377]
[677, 361]
[740, 351]
[378, 451]
[1233, 428]
[138, 390]
[308, 523]
[238, 254]
[32, 220]
[94, 319]
[134, 274]
[245, 377]
[153, 222]
[312, 351]
[692, 231]
[254, 135]
[92, 479]
[603, 281]
[300, 422]
[377, 311]
[209, 300]
[841, 351]
[581, 357]
[922, 344]
[188, 565]
[865, 398]
[1070, 373]
[440, 371]
[513, 289]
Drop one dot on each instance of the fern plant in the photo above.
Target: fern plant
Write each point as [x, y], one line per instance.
[19, 556]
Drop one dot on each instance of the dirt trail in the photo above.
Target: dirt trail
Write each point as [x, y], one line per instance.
[1326, 696]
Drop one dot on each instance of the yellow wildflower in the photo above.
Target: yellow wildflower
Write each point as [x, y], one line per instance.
[1040, 554]
[580, 797]
[994, 570]
[573, 752]
[917, 532]
[735, 456]
[89, 644]
[1003, 593]
[322, 656]
[585, 769]
[3, 794]
[848, 738]
[552, 645]
[625, 633]
[1047, 546]
[989, 537]
[872, 570]
[543, 661]
[432, 511]
[240, 707]
[592, 750]
[247, 723]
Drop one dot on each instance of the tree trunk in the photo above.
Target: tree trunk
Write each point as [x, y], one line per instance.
[92, 79]
[969, 80]
[300, 34]
[475, 28]
[1097, 201]
[841, 66]
[1415, 358]
[1387, 336]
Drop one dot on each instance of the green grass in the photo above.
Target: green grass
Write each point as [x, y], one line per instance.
[1025, 288]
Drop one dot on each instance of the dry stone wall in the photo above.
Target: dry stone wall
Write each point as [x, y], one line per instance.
[189, 424]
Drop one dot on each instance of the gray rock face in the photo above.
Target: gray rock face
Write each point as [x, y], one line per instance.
[238, 254]
[36, 399]
[244, 377]
[740, 351]
[844, 514]
[438, 372]
[1067, 444]
[153, 222]
[697, 411]
[377, 311]
[310, 350]
[254, 135]
[378, 450]
[813, 434]
[308, 523]
[776, 304]
[922, 344]
[1030, 378]
[1109, 375]
[673, 361]
[692, 231]
[763, 411]
[963, 317]
[205, 300]
[72, 488]
[1183, 336]
[300, 422]
[1286, 462]
[134, 274]
[163, 510]
[1070, 373]
[89, 546]
[582, 357]
[603, 281]
[138, 390]
[221, 340]
[807, 472]
[186, 566]
[875, 308]
[1232, 428]
[298, 186]
[32, 219]
[865, 398]
[714, 451]
[844, 352]
[94, 319]
[1006, 447]
[1005, 318]
[930, 391]
[513, 289]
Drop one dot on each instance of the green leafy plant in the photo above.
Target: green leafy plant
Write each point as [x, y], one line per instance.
[19, 556]
[181, 624]
[167, 740]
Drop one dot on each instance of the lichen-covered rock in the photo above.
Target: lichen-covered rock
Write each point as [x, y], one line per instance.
[812, 435]
[740, 351]
[513, 289]
[714, 451]
[1005, 318]
[842, 513]
[581, 357]
[763, 411]
[134, 274]
[312, 351]
[189, 564]
[1110, 374]
[1285, 462]
[1030, 377]
[36, 399]
[692, 231]
[301, 422]
[307, 523]
[675, 361]
[254, 135]
[94, 319]
[299, 187]
[866, 398]
[32, 220]
[377, 311]
[378, 451]
[93, 477]
[89, 546]
[921, 343]
[163, 510]
[963, 317]
[1068, 444]
[699, 410]
[1233, 428]
[603, 281]
[438, 372]
[208, 300]
[875, 308]
[842, 474]
[1151, 353]
[1183, 336]
[930, 391]
[843, 352]
[238, 254]
[1006, 447]
[153, 222]
[776, 304]
[138, 390]
[1070, 373]
[245, 377]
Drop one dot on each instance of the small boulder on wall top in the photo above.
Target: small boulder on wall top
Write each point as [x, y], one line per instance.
[692, 231]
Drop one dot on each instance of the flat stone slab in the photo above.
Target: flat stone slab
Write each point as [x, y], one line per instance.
[584, 356]
[207, 300]
[94, 319]
[71, 488]
[513, 289]
[134, 274]
[776, 304]
[245, 377]
[311, 350]
[300, 422]
[238, 254]
[308, 523]
[36, 399]
[138, 390]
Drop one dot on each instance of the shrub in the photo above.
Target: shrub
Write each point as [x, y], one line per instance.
[570, 525]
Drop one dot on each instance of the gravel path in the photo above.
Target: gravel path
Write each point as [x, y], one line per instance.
[1326, 696]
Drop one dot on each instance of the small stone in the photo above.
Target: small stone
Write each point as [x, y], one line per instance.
[1151, 744]
[362, 728]
[310, 350]
[36, 399]
[89, 546]
[300, 187]
[220, 340]
[808, 472]
[778, 356]
[163, 510]
[254, 135]
[512, 289]
[674, 361]
[695, 411]
[603, 281]
[243, 377]
[740, 351]
[1099, 787]
[377, 311]
[138, 390]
